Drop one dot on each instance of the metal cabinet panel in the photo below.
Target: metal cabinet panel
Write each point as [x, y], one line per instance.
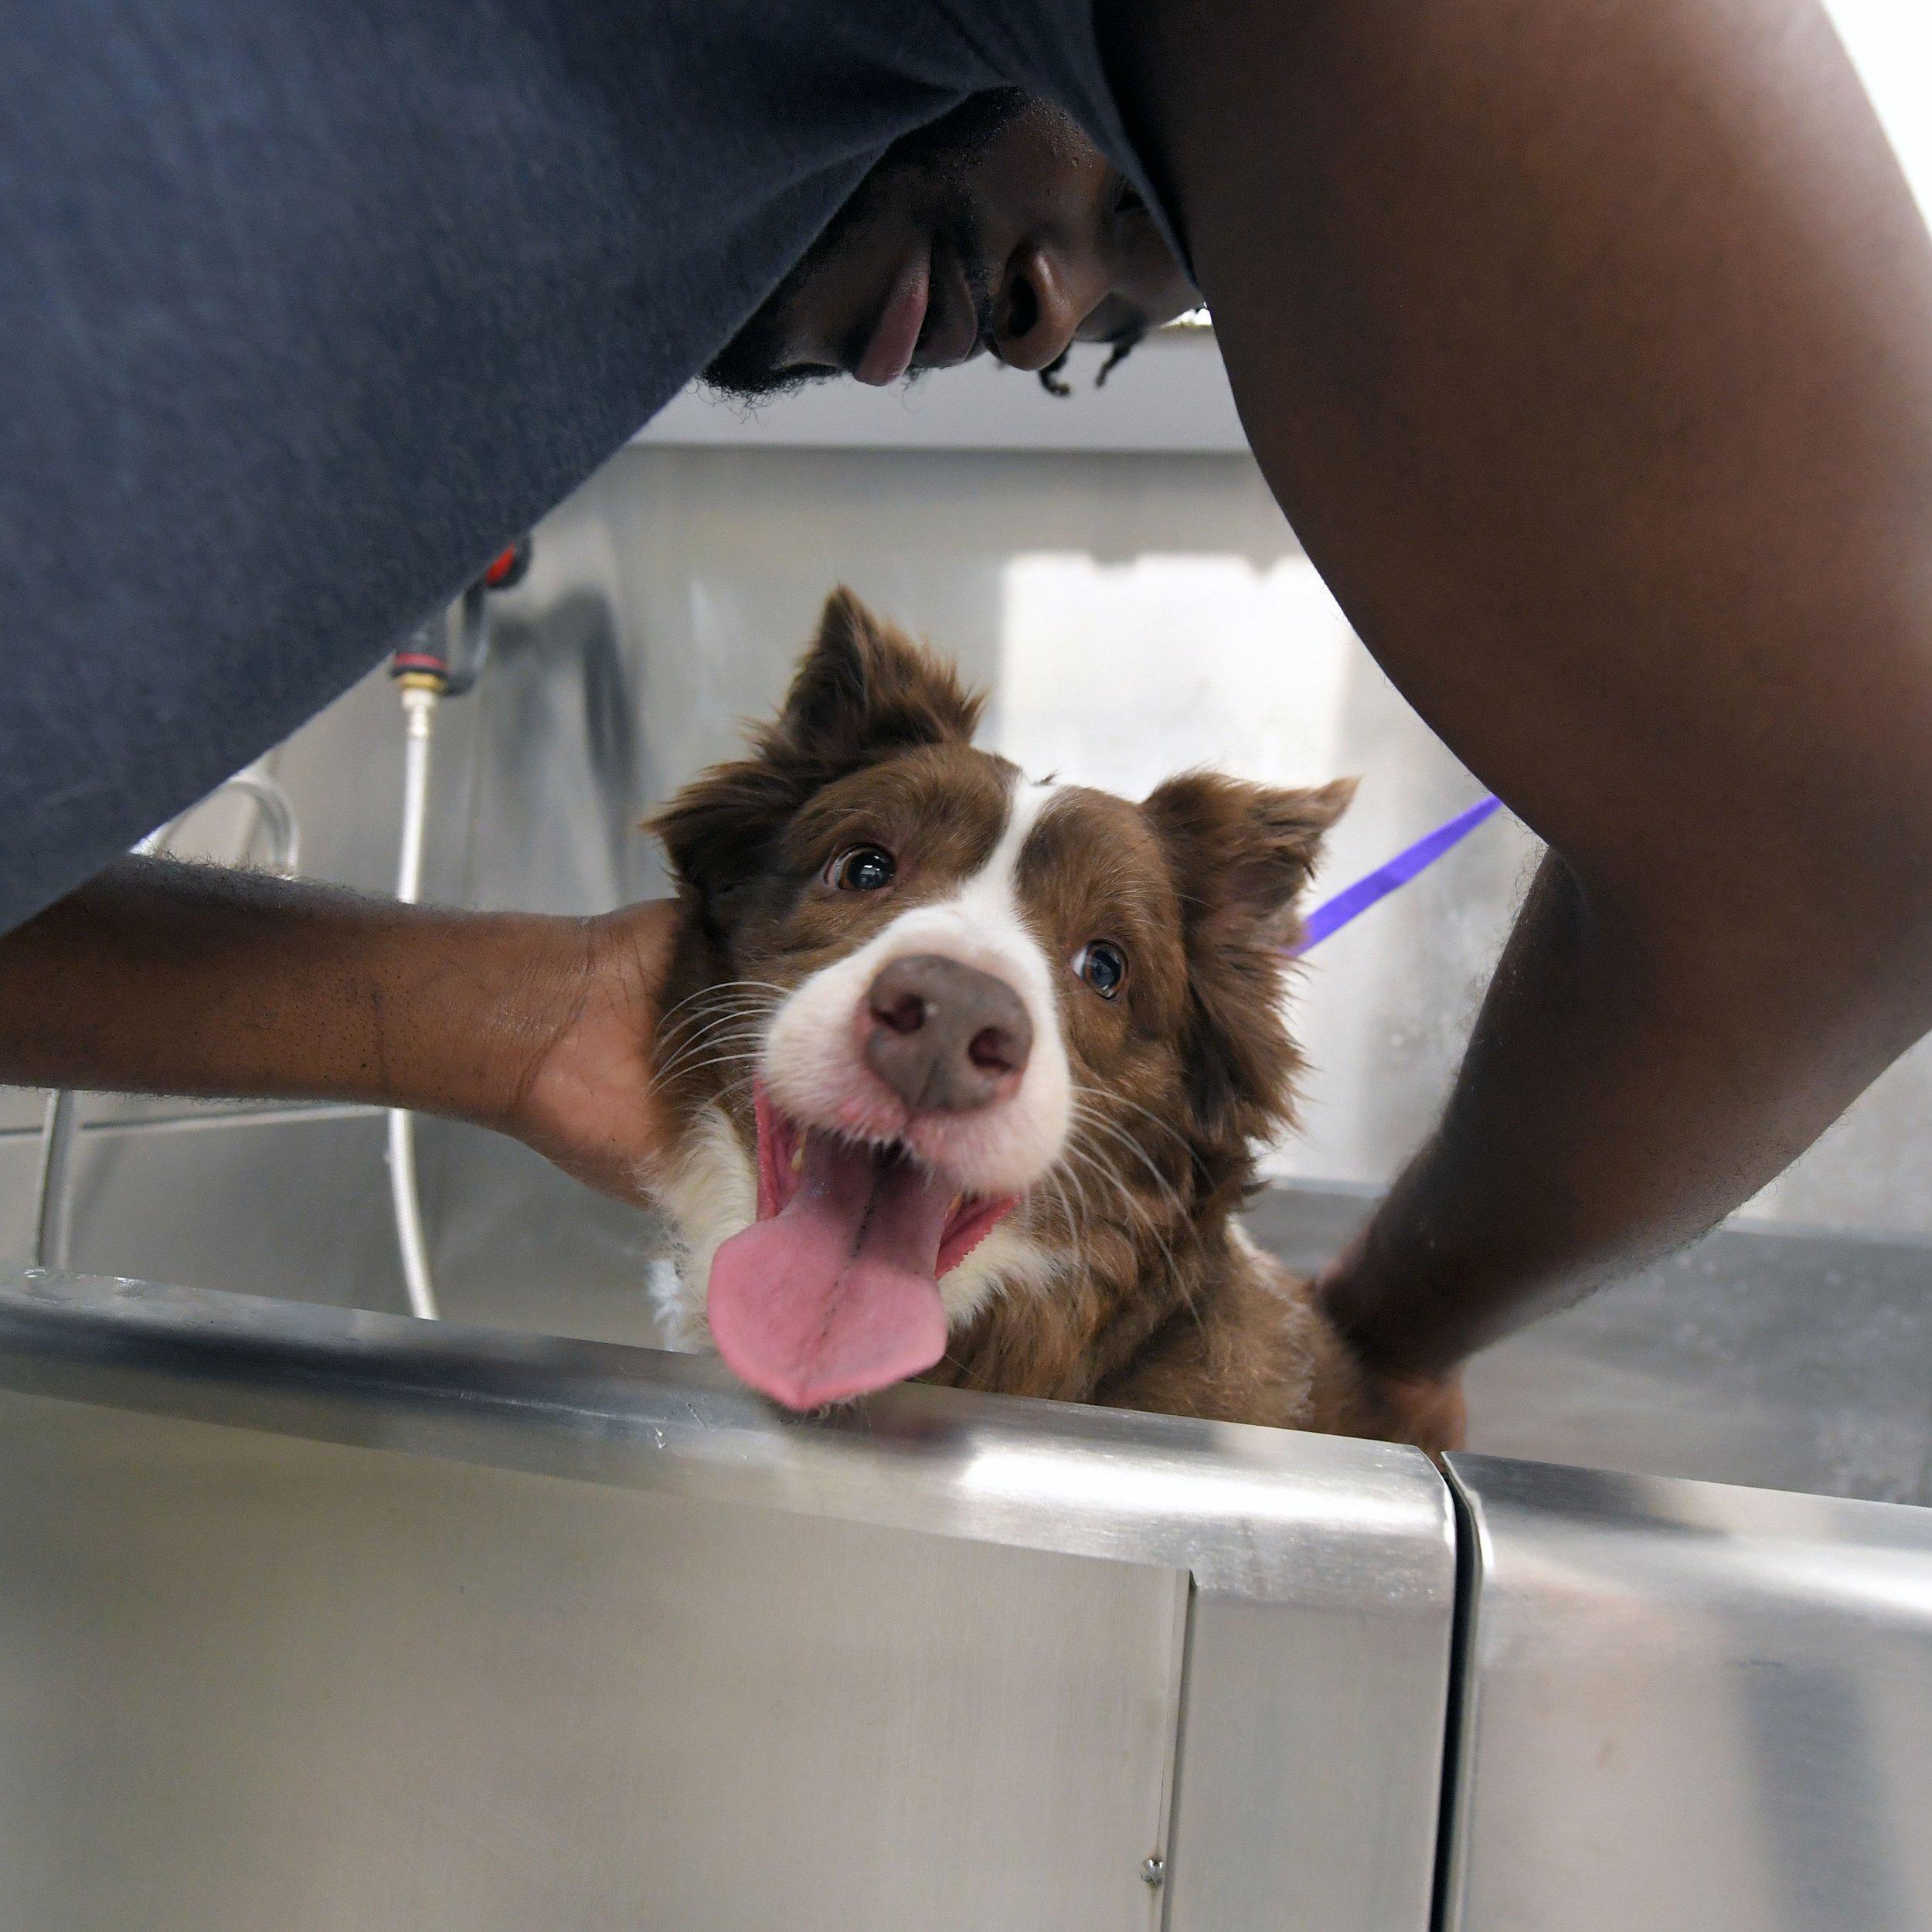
[457, 1627]
[248, 1682]
[1688, 1708]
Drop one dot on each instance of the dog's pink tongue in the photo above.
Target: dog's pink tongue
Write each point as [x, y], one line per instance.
[835, 1296]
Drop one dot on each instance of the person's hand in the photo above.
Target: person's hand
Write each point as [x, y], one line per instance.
[1429, 1411]
[587, 1100]
[1397, 1403]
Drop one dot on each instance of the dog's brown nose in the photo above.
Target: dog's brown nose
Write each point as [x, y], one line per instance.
[945, 1037]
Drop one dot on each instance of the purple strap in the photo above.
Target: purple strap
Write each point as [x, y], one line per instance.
[1353, 901]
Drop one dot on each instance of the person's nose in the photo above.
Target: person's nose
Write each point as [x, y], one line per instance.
[1040, 307]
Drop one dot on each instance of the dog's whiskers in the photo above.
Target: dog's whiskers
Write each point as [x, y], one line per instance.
[740, 1024]
[714, 988]
[723, 1026]
[1121, 1136]
[722, 1059]
[1090, 1095]
[1095, 1094]
[732, 993]
[1137, 1208]
[702, 1019]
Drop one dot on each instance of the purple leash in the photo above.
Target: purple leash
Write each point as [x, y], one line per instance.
[1353, 901]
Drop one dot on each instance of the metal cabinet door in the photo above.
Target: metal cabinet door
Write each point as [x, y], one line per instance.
[335, 1622]
[1690, 1708]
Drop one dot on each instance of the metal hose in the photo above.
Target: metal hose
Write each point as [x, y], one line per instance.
[419, 697]
[50, 1218]
[278, 819]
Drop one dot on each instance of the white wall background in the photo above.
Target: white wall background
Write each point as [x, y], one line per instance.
[1890, 43]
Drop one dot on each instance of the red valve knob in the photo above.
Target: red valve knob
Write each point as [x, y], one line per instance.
[507, 571]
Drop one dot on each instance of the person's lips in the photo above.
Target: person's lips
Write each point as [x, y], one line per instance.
[889, 353]
[952, 329]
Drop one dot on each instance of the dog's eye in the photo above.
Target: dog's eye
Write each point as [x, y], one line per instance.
[1103, 965]
[861, 868]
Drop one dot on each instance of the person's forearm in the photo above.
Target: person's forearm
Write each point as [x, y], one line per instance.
[1624, 1089]
[162, 977]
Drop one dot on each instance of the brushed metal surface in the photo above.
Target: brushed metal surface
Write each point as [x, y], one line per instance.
[1780, 1360]
[1687, 1708]
[427, 1560]
[252, 1683]
[1777, 1359]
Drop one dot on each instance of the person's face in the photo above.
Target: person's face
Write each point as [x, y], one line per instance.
[999, 228]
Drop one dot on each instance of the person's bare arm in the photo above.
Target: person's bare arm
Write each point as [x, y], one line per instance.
[159, 978]
[1589, 348]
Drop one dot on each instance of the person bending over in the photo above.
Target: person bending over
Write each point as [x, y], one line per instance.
[1589, 350]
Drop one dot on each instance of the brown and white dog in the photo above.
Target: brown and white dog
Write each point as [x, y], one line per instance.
[967, 1071]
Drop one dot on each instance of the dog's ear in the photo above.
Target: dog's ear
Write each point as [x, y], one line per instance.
[1243, 852]
[1239, 856]
[862, 690]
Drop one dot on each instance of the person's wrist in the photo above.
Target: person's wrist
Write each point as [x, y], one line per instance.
[457, 1008]
[531, 981]
[574, 1078]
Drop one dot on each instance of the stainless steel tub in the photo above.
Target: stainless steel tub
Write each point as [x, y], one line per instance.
[314, 1618]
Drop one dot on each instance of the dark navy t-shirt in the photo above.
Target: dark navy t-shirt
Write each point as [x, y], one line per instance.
[307, 309]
